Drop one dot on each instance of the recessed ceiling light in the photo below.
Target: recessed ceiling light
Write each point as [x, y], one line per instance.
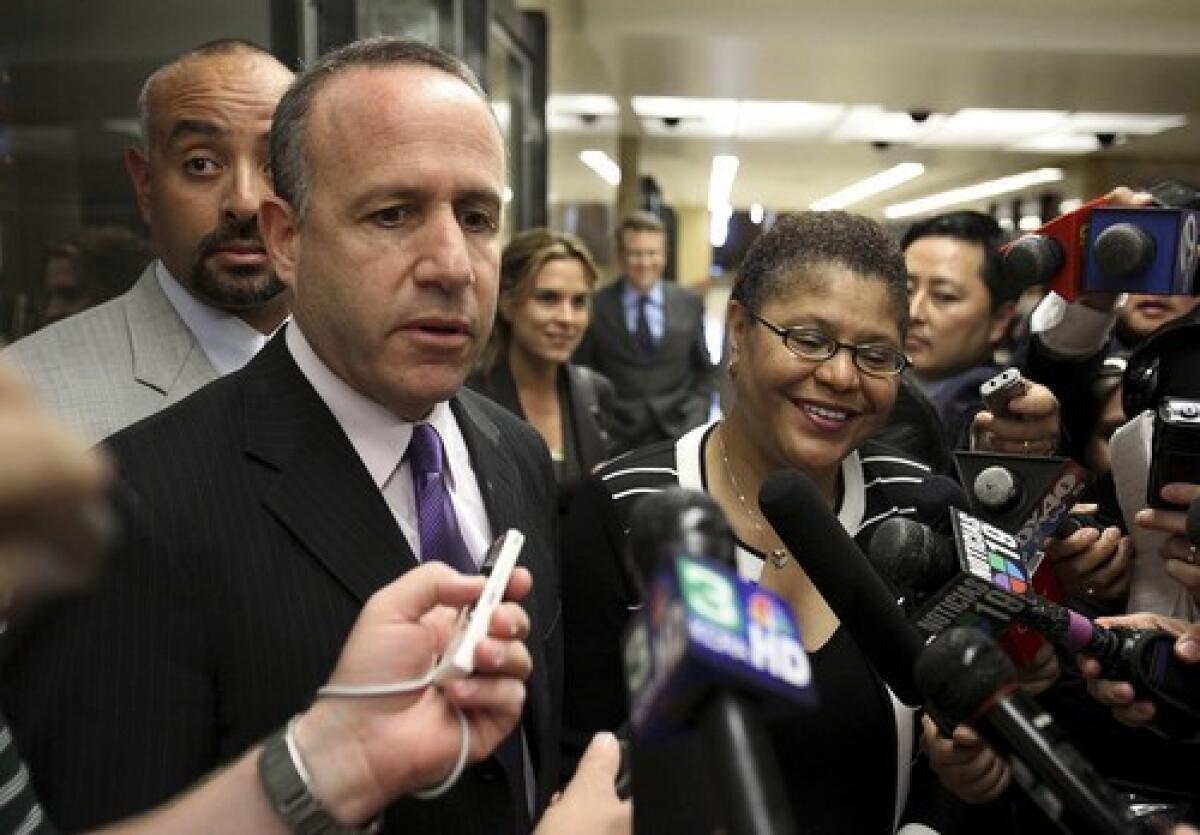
[972, 193]
[602, 164]
[875, 184]
[720, 181]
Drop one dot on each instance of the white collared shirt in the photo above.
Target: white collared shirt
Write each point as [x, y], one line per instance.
[381, 440]
[656, 314]
[1071, 330]
[227, 341]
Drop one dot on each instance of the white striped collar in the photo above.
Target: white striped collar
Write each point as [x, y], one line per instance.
[689, 460]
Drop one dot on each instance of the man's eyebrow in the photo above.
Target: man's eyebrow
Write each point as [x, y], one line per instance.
[480, 195]
[186, 127]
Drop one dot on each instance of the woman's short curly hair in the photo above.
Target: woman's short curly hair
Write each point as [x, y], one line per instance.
[786, 256]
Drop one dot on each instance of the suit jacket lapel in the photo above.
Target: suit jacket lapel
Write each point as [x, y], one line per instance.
[166, 356]
[584, 422]
[501, 492]
[322, 493]
[489, 460]
[673, 299]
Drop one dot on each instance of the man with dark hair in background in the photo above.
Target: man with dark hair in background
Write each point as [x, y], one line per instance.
[647, 336]
[96, 264]
[960, 313]
[210, 300]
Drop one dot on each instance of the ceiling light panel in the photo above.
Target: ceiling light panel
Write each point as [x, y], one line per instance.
[786, 119]
[871, 123]
[582, 113]
[603, 165]
[1141, 124]
[579, 104]
[875, 184]
[978, 127]
[973, 193]
[749, 119]
[1058, 142]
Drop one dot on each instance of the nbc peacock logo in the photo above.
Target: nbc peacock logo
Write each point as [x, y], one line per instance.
[768, 613]
[1007, 574]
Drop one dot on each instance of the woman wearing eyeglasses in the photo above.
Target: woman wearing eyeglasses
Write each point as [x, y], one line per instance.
[816, 324]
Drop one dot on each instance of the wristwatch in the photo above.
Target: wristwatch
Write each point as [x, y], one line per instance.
[284, 780]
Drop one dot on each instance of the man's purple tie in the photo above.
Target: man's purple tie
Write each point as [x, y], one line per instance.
[436, 522]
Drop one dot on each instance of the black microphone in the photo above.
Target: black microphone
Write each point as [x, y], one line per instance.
[679, 525]
[675, 521]
[933, 501]
[956, 592]
[967, 678]
[913, 558]
[807, 527]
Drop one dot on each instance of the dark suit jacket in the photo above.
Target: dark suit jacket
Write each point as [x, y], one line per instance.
[590, 417]
[254, 535]
[658, 397]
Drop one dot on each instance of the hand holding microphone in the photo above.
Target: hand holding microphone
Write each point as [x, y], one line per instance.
[966, 678]
[1027, 425]
[964, 763]
[1181, 550]
[588, 805]
[1121, 696]
[1093, 562]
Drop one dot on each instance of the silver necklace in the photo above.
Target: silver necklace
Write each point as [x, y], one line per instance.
[779, 556]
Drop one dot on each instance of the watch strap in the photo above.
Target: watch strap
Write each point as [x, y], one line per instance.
[283, 780]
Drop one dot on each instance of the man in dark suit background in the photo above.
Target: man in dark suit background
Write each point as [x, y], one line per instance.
[647, 336]
[262, 512]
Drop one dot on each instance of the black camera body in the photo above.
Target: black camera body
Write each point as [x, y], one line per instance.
[1175, 450]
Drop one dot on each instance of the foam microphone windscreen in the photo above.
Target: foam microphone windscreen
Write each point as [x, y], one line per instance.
[933, 501]
[807, 527]
[674, 521]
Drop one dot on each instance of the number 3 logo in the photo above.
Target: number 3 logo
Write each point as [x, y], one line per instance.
[710, 594]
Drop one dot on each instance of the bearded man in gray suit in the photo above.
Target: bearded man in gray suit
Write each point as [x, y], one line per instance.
[209, 301]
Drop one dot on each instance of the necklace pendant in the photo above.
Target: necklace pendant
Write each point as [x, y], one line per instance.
[779, 557]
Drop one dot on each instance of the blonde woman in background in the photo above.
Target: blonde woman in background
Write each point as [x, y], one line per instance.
[546, 282]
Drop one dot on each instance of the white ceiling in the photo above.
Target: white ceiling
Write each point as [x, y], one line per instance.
[1129, 56]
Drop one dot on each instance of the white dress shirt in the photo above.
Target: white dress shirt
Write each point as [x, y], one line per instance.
[381, 439]
[227, 341]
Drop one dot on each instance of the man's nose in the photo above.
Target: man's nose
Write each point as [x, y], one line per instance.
[446, 257]
[244, 192]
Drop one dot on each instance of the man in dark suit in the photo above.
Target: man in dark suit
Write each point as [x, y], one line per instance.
[647, 336]
[262, 512]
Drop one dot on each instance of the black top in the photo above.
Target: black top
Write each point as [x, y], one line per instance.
[840, 758]
[587, 402]
[19, 809]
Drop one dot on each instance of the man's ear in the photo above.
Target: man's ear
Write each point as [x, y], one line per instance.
[138, 167]
[279, 227]
[1001, 322]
